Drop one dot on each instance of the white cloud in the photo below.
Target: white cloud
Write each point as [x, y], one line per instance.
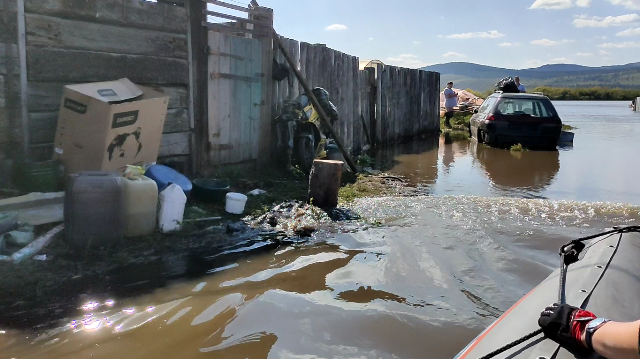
[562, 60]
[584, 54]
[597, 21]
[559, 4]
[621, 45]
[406, 60]
[493, 34]
[533, 63]
[605, 53]
[371, 39]
[453, 54]
[547, 42]
[337, 27]
[417, 42]
[630, 32]
[505, 44]
[629, 4]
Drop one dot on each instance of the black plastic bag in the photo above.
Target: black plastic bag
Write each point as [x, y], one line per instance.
[507, 85]
[329, 108]
[280, 71]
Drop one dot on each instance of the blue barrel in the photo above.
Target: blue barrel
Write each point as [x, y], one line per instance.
[164, 176]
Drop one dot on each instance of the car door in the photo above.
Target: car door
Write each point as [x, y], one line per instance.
[478, 118]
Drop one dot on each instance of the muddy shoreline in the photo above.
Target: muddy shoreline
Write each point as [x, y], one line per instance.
[35, 295]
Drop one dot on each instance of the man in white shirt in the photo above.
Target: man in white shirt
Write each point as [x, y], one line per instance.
[520, 86]
[450, 101]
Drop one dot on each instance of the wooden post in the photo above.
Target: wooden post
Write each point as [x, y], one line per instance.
[22, 56]
[198, 85]
[324, 183]
[314, 101]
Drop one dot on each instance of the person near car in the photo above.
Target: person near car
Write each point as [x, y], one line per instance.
[521, 87]
[580, 330]
[450, 101]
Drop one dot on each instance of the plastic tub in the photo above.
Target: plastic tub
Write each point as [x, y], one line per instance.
[172, 201]
[140, 206]
[235, 203]
[164, 176]
[210, 190]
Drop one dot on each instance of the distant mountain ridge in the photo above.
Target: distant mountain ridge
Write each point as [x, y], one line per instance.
[483, 77]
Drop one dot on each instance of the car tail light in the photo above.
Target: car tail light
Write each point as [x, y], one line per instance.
[491, 118]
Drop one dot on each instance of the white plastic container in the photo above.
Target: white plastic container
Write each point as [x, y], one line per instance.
[235, 203]
[140, 206]
[172, 201]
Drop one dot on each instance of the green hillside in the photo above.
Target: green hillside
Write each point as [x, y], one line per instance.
[482, 78]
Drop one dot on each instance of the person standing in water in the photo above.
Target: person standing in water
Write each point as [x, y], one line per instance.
[578, 329]
[450, 101]
[521, 87]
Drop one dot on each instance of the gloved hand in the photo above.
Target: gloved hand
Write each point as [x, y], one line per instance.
[565, 325]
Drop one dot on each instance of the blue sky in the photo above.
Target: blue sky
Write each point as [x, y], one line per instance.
[506, 33]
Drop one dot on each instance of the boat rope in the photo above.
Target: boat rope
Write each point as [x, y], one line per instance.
[569, 254]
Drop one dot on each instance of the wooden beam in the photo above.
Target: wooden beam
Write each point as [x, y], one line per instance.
[228, 6]
[314, 101]
[22, 56]
[231, 17]
[198, 41]
[57, 65]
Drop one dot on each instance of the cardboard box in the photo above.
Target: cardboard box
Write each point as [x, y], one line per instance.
[105, 126]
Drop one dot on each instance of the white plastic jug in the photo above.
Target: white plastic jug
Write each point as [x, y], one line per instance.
[140, 206]
[172, 201]
[235, 203]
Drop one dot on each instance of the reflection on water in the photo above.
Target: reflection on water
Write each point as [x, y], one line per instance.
[600, 167]
[527, 171]
[441, 270]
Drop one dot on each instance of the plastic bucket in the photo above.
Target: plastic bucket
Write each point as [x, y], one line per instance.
[235, 203]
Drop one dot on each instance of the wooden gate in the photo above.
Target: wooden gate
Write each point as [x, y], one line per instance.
[235, 98]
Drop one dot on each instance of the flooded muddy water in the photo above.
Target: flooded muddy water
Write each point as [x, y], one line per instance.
[599, 167]
[439, 270]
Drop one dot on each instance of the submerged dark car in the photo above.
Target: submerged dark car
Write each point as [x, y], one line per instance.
[506, 119]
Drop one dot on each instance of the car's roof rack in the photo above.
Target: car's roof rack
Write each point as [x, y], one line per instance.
[539, 93]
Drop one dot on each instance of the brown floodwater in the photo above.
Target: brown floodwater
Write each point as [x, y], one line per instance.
[439, 269]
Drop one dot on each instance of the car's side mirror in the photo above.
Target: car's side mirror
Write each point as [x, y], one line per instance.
[475, 111]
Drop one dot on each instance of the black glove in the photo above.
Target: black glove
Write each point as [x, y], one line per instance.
[565, 325]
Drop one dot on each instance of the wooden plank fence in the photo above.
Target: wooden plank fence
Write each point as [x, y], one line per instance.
[69, 42]
[399, 104]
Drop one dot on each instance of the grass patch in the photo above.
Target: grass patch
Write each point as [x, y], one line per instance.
[568, 128]
[518, 148]
[459, 130]
[365, 186]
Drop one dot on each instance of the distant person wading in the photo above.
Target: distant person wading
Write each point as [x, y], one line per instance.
[450, 101]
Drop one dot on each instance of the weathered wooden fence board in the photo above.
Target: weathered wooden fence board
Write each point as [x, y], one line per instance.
[47, 31]
[133, 13]
[54, 65]
[174, 144]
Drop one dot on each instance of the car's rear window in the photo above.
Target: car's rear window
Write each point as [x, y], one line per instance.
[525, 106]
